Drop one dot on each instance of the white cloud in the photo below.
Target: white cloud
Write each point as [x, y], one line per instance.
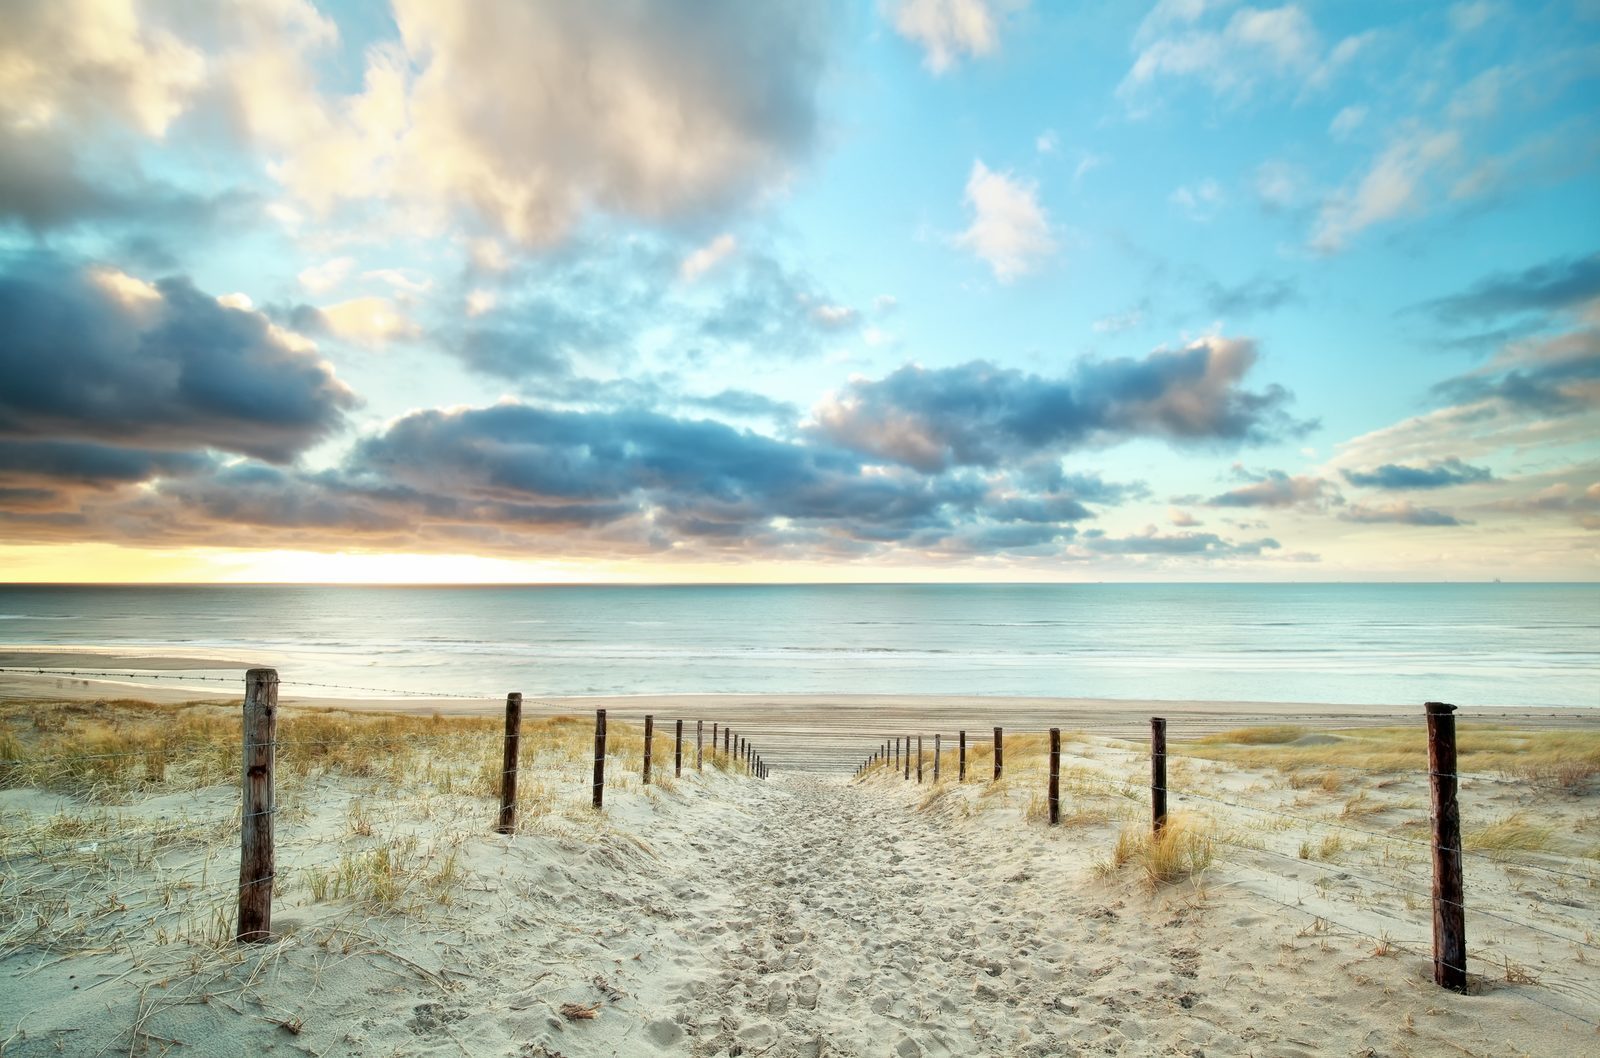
[1047, 142]
[706, 257]
[948, 29]
[1393, 186]
[370, 320]
[885, 303]
[1199, 201]
[1088, 164]
[1346, 121]
[400, 280]
[1464, 18]
[1182, 519]
[480, 301]
[1231, 58]
[319, 279]
[835, 317]
[1010, 231]
[1118, 322]
[1280, 185]
[80, 60]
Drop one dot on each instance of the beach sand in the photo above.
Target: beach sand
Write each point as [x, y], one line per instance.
[811, 914]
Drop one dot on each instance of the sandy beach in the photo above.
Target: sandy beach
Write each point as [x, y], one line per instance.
[811, 914]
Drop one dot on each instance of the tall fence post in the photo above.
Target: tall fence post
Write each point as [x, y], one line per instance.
[1055, 775]
[257, 860]
[699, 742]
[508, 773]
[727, 739]
[962, 776]
[649, 739]
[908, 759]
[714, 741]
[1449, 914]
[677, 752]
[935, 758]
[897, 754]
[919, 760]
[999, 753]
[1158, 774]
[599, 757]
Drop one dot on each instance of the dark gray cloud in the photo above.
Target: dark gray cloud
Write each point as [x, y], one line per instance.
[1204, 545]
[980, 414]
[95, 356]
[94, 465]
[1435, 475]
[1275, 488]
[1399, 514]
[1557, 284]
[1553, 377]
[768, 308]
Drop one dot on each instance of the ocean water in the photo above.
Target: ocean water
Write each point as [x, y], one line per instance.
[1401, 644]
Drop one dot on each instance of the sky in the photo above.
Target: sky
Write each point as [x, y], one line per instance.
[935, 290]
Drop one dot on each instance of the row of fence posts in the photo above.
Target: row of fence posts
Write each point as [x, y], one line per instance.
[257, 853]
[1449, 913]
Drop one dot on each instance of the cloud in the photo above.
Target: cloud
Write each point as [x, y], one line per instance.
[369, 320]
[1280, 186]
[705, 258]
[1200, 545]
[1233, 57]
[1347, 121]
[158, 366]
[1261, 294]
[1199, 202]
[319, 279]
[1182, 519]
[1010, 231]
[1274, 488]
[1404, 513]
[768, 308]
[1394, 185]
[1118, 322]
[948, 29]
[1550, 376]
[650, 111]
[979, 414]
[1437, 475]
[1558, 284]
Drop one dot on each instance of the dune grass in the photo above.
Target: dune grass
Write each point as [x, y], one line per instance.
[1184, 848]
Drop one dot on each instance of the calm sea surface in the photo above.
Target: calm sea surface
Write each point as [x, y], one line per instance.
[1491, 644]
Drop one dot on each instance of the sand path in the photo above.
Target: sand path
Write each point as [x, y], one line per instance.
[856, 928]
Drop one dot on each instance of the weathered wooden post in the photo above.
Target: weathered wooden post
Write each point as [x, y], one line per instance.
[897, 754]
[908, 759]
[257, 860]
[599, 757]
[999, 747]
[919, 760]
[727, 737]
[508, 773]
[1055, 775]
[699, 742]
[962, 777]
[1158, 774]
[714, 741]
[935, 758]
[1449, 913]
[649, 738]
[677, 752]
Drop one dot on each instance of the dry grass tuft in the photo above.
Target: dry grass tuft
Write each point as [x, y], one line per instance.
[579, 1012]
[1514, 833]
[1183, 849]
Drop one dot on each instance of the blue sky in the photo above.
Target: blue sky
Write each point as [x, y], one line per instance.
[919, 289]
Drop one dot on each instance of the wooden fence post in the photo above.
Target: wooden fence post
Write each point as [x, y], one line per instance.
[257, 859]
[714, 740]
[677, 752]
[908, 759]
[1158, 774]
[649, 738]
[999, 750]
[897, 754]
[727, 740]
[508, 773]
[919, 760]
[1449, 914]
[935, 758]
[1055, 775]
[962, 777]
[599, 757]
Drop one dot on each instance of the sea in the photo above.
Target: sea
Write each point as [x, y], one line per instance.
[1533, 645]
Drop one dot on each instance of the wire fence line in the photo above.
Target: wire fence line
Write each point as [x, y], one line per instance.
[893, 758]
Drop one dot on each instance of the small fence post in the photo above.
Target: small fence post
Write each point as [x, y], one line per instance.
[1158, 774]
[599, 757]
[677, 752]
[699, 742]
[935, 758]
[727, 738]
[508, 773]
[257, 859]
[999, 751]
[919, 760]
[1055, 775]
[649, 737]
[908, 759]
[963, 775]
[714, 740]
[1449, 914]
[897, 754]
